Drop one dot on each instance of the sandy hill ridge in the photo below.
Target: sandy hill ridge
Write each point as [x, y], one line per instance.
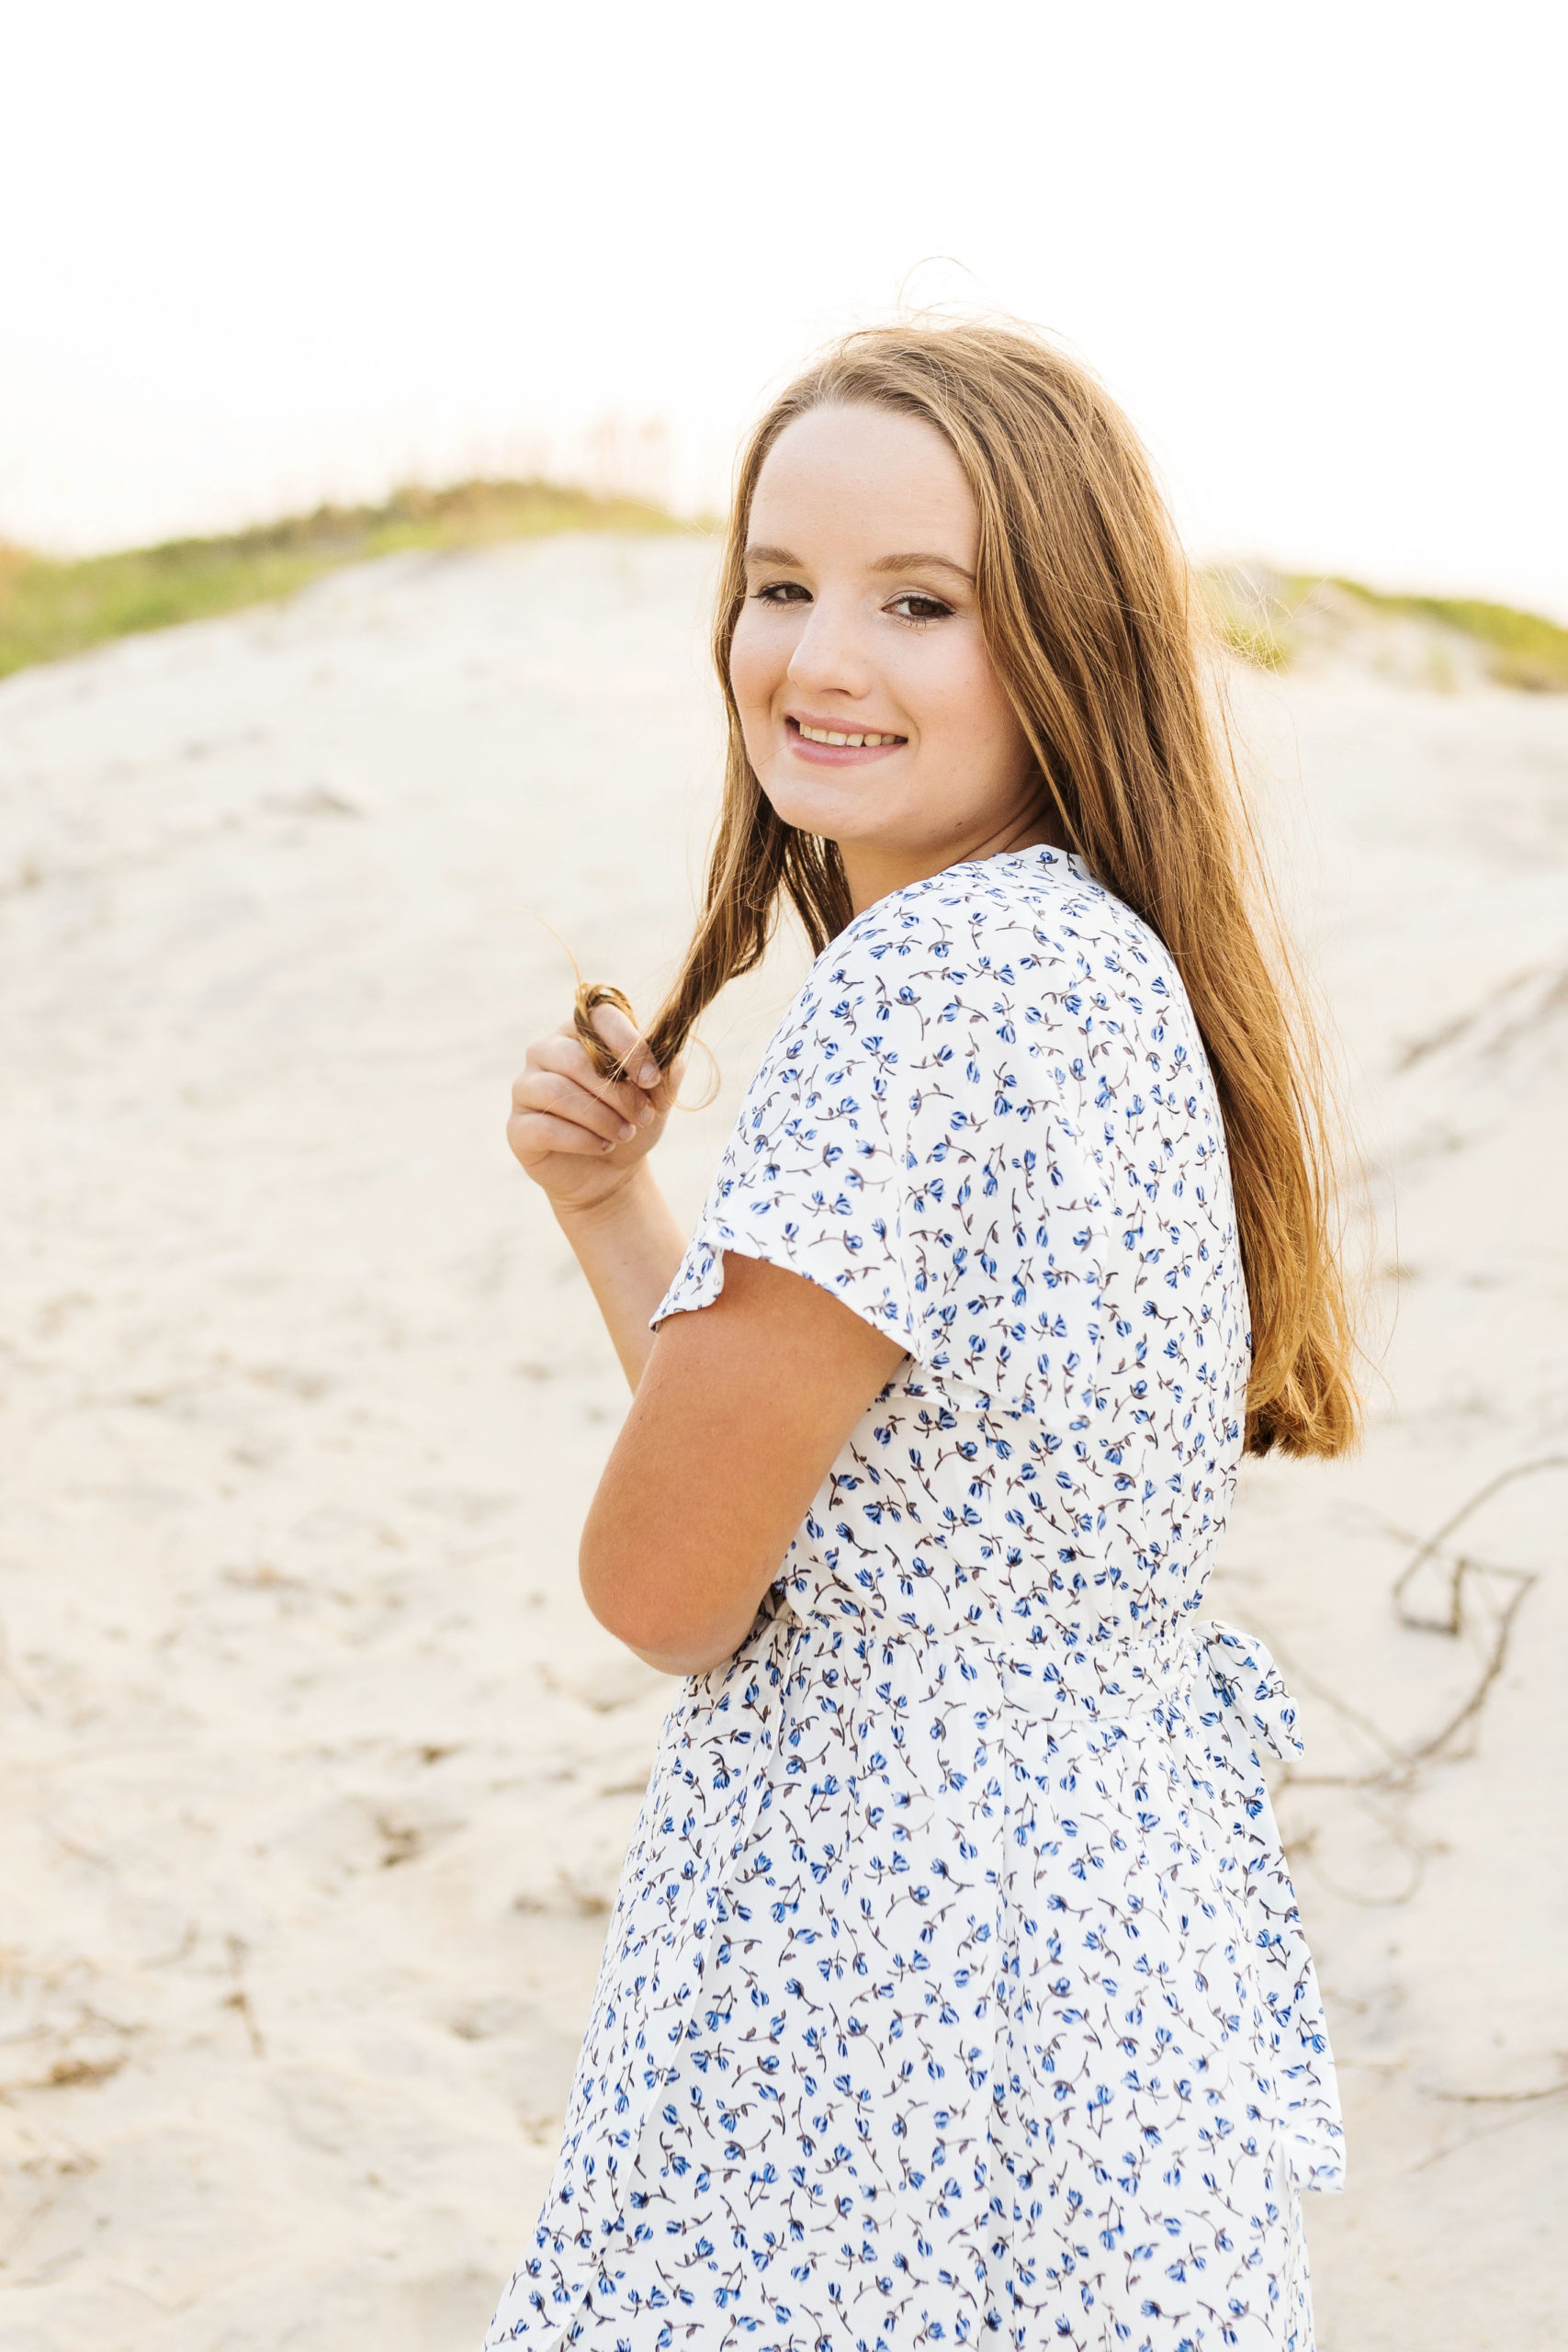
[317, 1774]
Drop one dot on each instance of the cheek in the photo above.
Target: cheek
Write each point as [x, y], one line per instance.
[758, 659]
[958, 695]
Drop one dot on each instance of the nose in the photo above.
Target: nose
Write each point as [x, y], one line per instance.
[830, 654]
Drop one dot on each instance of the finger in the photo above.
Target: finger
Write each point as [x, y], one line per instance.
[669, 1086]
[547, 1089]
[536, 1135]
[567, 1057]
[625, 1041]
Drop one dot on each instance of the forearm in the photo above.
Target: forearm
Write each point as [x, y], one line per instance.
[629, 1247]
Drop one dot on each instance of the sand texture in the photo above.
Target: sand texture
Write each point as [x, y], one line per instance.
[316, 1773]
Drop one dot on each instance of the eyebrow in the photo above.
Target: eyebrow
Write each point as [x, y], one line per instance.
[914, 562]
[924, 563]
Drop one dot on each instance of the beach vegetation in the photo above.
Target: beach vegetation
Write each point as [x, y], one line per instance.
[1249, 615]
[52, 607]
[1268, 617]
[1523, 649]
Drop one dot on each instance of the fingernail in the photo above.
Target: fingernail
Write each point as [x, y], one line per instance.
[608, 1144]
[644, 1115]
[628, 1130]
[648, 1074]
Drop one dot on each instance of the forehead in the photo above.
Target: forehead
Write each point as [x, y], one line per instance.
[864, 473]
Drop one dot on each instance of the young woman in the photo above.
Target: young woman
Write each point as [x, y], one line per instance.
[955, 1991]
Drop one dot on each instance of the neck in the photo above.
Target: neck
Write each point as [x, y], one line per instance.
[872, 868]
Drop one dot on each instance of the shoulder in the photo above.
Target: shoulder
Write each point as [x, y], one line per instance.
[1014, 938]
[997, 987]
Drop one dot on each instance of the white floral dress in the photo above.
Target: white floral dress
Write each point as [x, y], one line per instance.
[954, 1991]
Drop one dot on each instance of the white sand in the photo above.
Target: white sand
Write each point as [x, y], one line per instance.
[316, 1772]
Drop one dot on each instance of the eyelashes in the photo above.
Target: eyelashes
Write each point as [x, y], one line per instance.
[790, 592]
[938, 611]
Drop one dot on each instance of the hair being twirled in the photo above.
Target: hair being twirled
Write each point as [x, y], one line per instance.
[1092, 620]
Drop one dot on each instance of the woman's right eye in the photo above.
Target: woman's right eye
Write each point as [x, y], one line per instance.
[782, 592]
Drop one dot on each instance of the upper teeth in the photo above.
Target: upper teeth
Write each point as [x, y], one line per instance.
[820, 735]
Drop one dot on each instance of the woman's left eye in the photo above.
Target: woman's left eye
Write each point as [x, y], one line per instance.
[912, 606]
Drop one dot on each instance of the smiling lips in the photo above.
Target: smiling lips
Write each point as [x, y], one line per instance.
[840, 740]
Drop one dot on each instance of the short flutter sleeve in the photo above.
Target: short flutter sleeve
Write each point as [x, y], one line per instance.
[911, 1141]
[814, 1176]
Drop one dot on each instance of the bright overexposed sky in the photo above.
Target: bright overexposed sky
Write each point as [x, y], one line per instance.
[253, 256]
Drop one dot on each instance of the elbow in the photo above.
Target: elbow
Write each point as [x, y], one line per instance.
[647, 1612]
[619, 1597]
[617, 1608]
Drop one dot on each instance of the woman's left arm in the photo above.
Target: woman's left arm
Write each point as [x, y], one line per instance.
[739, 1416]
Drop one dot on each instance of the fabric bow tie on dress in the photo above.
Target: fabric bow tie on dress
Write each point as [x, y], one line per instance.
[1254, 1702]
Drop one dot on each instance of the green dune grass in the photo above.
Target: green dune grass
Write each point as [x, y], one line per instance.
[49, 608]
[1263, 624]
[1525, 649]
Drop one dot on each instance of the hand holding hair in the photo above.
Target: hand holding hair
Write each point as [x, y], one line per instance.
[591, 1101]
[590, 995]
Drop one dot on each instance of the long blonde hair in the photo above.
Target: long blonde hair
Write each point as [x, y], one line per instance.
[1093, 625]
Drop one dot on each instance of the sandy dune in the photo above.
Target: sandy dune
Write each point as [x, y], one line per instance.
[316, 1773]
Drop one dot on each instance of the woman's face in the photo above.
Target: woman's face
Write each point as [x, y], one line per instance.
[871, 710]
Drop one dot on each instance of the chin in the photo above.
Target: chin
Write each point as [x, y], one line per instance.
[837, 810]
[822, 813]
